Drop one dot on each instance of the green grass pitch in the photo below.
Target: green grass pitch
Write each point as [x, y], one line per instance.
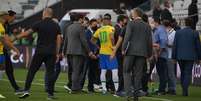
[38, 93]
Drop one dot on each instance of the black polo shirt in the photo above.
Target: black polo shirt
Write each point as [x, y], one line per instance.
[47, 31]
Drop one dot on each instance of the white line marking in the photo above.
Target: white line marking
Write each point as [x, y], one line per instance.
[153, 98]
[39, 84]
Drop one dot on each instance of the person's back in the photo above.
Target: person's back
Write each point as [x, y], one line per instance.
[104, 35]
[140, 38]
[74, 44]
[186, 47]
[47, 31]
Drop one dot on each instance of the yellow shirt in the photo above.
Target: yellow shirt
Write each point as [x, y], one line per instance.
[104, 35]
[2, 32]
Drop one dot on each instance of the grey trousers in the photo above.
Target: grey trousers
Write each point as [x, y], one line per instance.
[76, 62]
[133, 72]
[171, 75]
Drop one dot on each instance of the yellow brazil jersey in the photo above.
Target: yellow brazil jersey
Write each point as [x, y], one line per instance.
[2, 32]
[104, 35]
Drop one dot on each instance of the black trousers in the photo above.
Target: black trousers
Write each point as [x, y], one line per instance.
[90, 68]
[120, 72]
[76, 64]
[147, 75]
[133, 72]
[186, 74]
[56, 75]
[9, 70]
[36, 62]
[162, 70]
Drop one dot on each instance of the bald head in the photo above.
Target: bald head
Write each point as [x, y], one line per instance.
[47, 12]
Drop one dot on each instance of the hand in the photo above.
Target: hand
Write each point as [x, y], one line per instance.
[112, 55]
[123, 53]
[17, 53]
[174, 61]
[57, 58]
[91, 55]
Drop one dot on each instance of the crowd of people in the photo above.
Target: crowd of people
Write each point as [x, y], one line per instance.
[117, 59]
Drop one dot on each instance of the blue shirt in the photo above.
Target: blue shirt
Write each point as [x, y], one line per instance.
[161, 38]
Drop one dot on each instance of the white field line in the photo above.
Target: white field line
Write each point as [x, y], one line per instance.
[40, 84]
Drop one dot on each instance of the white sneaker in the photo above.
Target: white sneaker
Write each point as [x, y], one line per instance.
[67, 88]
[2, 97]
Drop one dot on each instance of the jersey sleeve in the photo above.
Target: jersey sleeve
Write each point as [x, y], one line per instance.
[112, 30]
[96, 34]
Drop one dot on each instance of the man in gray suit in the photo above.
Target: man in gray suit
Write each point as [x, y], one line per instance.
[76, 50]
[137, 47]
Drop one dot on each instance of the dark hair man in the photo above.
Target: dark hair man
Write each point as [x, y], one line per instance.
[137, 47]
[107, 59]
[76, 49]
[186, 51]
[47, 51]
[4, 40]
[9, 18]
[118, 36]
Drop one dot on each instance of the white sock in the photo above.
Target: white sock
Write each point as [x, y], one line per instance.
[1, 74]
[115, 78]
[103, 79]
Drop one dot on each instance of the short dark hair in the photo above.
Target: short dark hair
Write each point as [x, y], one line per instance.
[157, 20]
[77, 16]
[92, 20]
[121, 18]
[188, 22]
[194, 1]
[86, 19]
[107, 16]
[167, 23]
[11, 13]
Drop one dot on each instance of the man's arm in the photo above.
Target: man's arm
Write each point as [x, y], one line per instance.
[22, 35]
[7, 41]
[58, 43]
[119, 42]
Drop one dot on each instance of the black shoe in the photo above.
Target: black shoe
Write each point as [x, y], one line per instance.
[19, 92]
[132, 99]
[185, 93]
[141, 93]
[51, 97]
[159, 93]
[171, 92]
[91, 91]
[78, 92]
[120, 94]
[25, 95]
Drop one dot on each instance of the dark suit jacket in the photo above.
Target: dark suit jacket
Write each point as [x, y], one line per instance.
[75, 40]
[138, 39]
[187, 45]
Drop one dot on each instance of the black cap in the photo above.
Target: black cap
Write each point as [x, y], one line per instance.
[107, 16]
[11, 13]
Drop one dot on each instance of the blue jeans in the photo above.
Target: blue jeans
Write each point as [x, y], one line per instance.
[186, 74]
[161, 67]
[171, 75]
